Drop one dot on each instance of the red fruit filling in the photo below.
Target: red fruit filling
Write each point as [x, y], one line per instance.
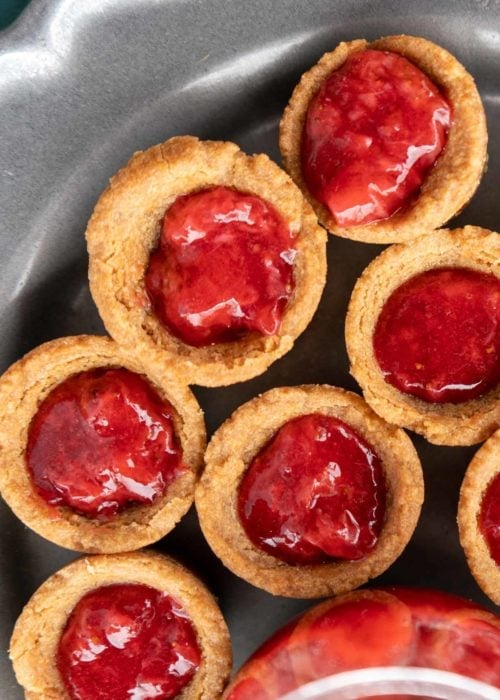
[372, 132]
[315, 492]
[453, 634]
[127, 642]
[101, 441]
[438, 335]
[223, 267]
[348, 636]
[397, 627]
[489, 518]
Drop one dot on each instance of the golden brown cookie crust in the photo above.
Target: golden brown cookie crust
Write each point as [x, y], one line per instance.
[245, 433]
[24, 386]
[457, 172]
[33, 647]
[124, 229]
[442, 424]
[481, 471]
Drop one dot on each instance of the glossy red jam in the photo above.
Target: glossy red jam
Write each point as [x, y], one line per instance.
[101, 441]
[223, 267]
[127, 642]
[489, 518]
[315, 492]
[438, 335]
[392, 627]
[372, 132]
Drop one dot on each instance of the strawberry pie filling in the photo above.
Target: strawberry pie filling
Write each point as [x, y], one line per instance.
[101, 441]
[314, 493]
[438, 335]
[489, 518]
[223, 267]
[394, 627]
[127, 642]
[372, 132]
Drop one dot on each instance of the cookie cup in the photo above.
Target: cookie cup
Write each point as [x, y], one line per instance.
[483, 468]
[464, 423]
[34, 642]
[457, 172]
[124, 230]
[22, 389]
[242, 437]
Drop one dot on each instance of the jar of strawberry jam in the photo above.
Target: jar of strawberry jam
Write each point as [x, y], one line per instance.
[369, 629]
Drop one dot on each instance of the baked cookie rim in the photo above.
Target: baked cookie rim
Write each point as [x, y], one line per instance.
[482, 469]
[227, 459]
[460, 165]
[22, 388]
[34, 663]
[465, 423]
[146, 186]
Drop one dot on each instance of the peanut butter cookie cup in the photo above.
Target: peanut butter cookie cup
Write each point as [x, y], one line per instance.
[423, 335]
[206, 256]
[385, 139]
[306, 492]
[479, 517]
[114, 627]
[99, 448]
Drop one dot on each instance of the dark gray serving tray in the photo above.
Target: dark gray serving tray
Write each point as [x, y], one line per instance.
[84, 83]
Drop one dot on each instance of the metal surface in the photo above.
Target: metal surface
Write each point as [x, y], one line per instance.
[85, 83]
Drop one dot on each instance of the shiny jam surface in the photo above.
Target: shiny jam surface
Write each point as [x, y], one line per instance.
[392, 627]
[223, 267]
[315, 492]
[372, 132]
[101, 441]
[127, 642]
[438, 335]
[489, 518]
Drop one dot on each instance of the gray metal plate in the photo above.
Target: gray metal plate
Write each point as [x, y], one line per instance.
[84, 83]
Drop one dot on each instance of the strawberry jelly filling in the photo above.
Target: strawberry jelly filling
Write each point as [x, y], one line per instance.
[438, 335]
[127, 642]
[489, 518]
[395, 627]
[315, 492]
[452, 634]
[223, 267]
[101, 441]
[372, 132]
